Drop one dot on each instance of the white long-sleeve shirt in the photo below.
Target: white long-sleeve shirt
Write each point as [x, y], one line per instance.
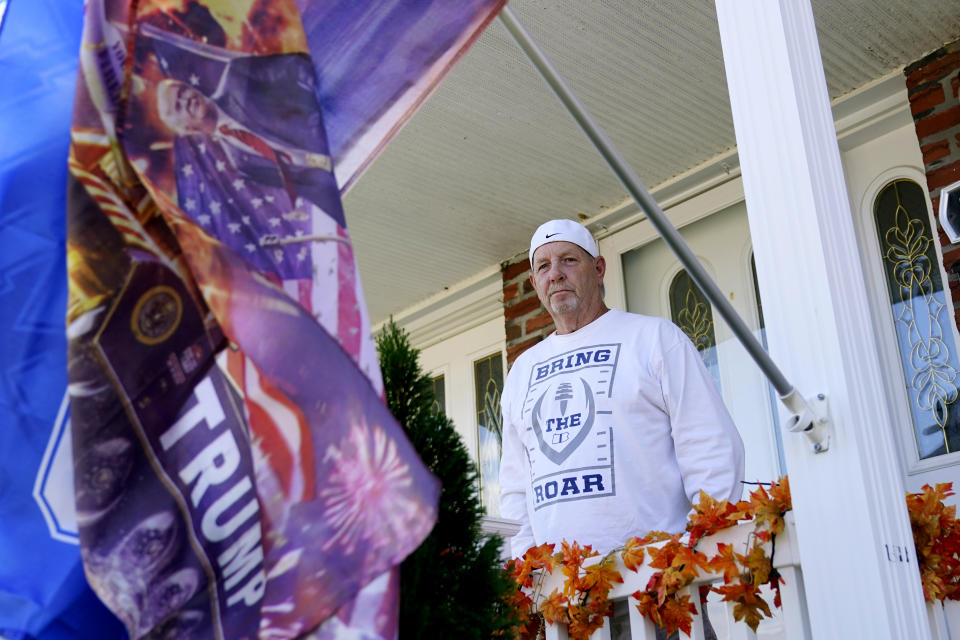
[610, 432]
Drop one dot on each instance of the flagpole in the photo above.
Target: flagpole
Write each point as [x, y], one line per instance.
[806, 419]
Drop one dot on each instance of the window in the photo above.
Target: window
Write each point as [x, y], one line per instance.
[488, 378]
[691, 311]
[439, 395]
[921, 315]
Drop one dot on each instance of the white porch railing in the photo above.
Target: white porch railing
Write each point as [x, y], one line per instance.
[789, 622]
[506, 529]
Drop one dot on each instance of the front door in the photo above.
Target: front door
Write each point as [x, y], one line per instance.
[657, 285]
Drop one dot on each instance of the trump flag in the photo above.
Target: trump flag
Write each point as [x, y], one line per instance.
[235, 472]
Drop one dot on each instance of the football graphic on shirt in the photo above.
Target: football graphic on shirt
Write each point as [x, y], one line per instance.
[562, 418]
[569, 425]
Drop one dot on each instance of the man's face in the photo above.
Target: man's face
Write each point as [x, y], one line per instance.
[186, 110]
[566, 278]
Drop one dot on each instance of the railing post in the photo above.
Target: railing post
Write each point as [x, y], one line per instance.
[697, 630]
[555, 631]
[640, 627]
[938, 621]
[738, 630]
[603, 633]
[793, 604]
[951, 613]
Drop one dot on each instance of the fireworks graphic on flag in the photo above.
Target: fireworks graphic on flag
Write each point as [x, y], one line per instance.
[357, 498]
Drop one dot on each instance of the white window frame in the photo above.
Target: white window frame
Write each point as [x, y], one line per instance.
[635, 235]
[472, 358]
[442, 370]
[884, 326]
[639, 232]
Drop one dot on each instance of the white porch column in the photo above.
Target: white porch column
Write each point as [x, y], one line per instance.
[851, 515]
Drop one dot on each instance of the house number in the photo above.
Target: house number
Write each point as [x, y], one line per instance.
[896, 553]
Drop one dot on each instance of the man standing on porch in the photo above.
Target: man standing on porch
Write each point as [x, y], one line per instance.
[612, 424]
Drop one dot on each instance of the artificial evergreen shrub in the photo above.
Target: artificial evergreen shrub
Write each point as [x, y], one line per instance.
[452, 586]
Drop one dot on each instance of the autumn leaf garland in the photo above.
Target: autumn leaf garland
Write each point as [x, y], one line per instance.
[520, 601]
[583, 602]
[936, 534]
[665, 600]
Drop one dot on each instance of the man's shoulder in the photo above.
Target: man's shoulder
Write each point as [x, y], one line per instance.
[532, 354]
[652, 334]
[640, 321]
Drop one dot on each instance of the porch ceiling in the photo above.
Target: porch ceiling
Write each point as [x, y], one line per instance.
[493, 153]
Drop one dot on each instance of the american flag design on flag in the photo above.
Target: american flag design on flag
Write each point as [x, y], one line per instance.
[246, 216]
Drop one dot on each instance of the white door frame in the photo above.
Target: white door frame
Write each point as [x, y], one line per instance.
[884, 326]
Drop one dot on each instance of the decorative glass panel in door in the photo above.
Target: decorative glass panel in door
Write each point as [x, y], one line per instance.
[654, 288]
[691, 311]
[922, 316]
[488, 378]
[439, 394]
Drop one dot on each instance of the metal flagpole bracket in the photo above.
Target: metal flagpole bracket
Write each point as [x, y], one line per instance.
[809, 416]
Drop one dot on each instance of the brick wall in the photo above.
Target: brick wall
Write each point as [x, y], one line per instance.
[933, 84]
[525, 319]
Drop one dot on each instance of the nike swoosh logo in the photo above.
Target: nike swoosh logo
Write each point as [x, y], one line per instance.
[550, 235]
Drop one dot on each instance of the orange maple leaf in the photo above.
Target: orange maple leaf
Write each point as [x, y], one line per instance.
[660, 558]
[688, 561]
[671, 582]
[599, 579]
[541, 557]
[725, 562]
[749, 605]
[633, 554]
[709, 516]
[677, 613]
[744, 510]
[647, 605]
[655, 536]
[751, 608]
[770, 506]
[554, 608]
[583, 623]
[601, 607]
[758, 563]
[573, 556]
[780, 493]
[513, 566]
